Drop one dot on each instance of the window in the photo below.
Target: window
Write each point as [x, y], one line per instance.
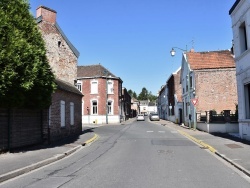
[191, 82]
[94, 87]
[94, 107]
[110, 87]
[110, 111]
[79, 86]
[247, 100]
[243, 37]
[72, 113]
[62, 111]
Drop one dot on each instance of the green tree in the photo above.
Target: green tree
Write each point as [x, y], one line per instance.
[130, 92]
[143, 95]
[26, 77]
[134, 95]
[152, 97]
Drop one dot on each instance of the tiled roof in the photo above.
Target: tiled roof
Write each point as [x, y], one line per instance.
[93, 71]
[67, 87]
[210, 60]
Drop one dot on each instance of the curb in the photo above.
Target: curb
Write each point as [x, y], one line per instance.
[198, 141]
[20, 171]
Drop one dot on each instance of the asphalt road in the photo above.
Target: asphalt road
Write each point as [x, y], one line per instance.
[142, 154]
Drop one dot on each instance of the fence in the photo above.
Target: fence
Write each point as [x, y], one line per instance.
[20, 127]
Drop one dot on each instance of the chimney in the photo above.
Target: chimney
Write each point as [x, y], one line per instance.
[47, 14]
[192, 50]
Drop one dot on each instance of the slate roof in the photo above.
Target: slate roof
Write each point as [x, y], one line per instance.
[62, 85]
[210, 60]
[90, 71]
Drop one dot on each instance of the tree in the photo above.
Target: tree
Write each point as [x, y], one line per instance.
[130, 92]
[134, 95]
[26, 77]
[143, 95]
[151, 97]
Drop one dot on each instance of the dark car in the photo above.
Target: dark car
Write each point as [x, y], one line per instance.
[154, 117]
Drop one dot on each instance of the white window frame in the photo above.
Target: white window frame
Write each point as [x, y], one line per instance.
[110, 107]
[79, 86]
[94, 88]
[62, 113]
[72, 113]
[92, 107]
[110, 87]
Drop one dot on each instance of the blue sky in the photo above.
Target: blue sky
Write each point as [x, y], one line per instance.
[133, 38]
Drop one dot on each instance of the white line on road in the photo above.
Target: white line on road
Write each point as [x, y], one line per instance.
[150, 131]
[161, 131]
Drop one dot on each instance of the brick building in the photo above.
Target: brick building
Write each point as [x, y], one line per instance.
[210, 77]
[102, 94]
[64, 115]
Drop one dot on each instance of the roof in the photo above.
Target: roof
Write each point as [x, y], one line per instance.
[234, 6]
[62, 85]
[210, 60]
[90, 71]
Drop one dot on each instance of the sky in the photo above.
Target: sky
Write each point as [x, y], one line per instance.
[133, 38]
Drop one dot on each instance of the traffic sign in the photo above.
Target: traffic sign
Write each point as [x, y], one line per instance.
[194, 101]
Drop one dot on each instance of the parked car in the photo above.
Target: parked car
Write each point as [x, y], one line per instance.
[140, 117]
[154, 117]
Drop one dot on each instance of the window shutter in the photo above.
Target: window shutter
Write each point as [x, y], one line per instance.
[62, 109]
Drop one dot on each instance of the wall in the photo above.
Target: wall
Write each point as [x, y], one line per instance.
[61, 58]
[218, 128]
[216, 90]
[56, 131]
[100, 118]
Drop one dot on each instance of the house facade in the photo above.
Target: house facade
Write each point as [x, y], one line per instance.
[174, 105]
[102, 94]
[64, 114]
[135, 107]
[210, 78]
[144, 106]
[169, 99]
[126, 111]
[162, 102]
[240, 16]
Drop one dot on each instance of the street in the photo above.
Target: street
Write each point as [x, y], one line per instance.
[140, 154]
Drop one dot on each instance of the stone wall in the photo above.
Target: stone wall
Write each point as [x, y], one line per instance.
[61, 58]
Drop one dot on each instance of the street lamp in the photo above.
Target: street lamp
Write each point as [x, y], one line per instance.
[172, 52]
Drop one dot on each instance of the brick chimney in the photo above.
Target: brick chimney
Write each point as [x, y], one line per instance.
[47, 14]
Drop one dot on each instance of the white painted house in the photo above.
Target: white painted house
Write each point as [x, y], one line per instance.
[240, 16]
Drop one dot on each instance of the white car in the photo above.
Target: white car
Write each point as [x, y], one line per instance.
[140, 117]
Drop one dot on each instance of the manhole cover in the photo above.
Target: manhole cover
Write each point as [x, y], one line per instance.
[233, 146]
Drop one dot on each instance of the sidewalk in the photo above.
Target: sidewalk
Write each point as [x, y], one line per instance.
[15, 163]
[232, 149]
[24, 160]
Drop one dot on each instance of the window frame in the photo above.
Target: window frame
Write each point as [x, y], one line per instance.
[63, 113]
[94, 111]
[94, 88]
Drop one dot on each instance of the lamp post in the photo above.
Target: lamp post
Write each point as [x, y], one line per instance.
[172, 52]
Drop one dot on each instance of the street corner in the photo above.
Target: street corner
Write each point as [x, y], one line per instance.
[91, 140]
[203, 144]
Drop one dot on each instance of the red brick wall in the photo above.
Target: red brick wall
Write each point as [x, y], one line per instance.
[56, 131]
[216, 89]
[101, 96]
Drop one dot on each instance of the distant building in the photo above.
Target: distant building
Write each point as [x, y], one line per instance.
[102, 94]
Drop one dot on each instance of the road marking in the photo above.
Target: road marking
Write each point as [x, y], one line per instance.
[161, 131]
[174, 132]
[150, 131]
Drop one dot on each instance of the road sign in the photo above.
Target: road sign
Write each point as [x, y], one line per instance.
[194, 101]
